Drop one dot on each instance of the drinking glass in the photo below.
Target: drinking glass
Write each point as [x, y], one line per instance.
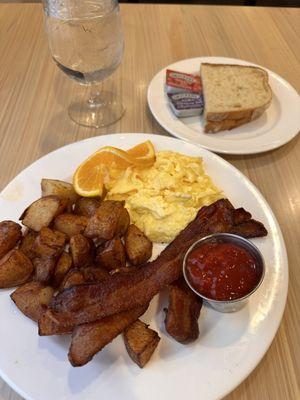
[86, 43]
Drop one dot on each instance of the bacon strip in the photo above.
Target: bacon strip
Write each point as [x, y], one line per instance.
[86, 303]
[89, 339]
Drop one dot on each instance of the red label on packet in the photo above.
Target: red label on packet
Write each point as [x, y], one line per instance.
[177, 82]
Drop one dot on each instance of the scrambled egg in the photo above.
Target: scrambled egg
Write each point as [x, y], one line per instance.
[164, 198]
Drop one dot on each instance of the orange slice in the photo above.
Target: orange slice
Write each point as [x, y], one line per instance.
[95, 171]
[88, 179]
[117, 158]
[143, 152]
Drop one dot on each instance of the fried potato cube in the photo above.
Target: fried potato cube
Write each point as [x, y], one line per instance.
[49, 243]
[44, 269]
[140, 342]
[181, 320]
[86, 206]
[138, 246]
[10, 234]
[15, 269]
[106, 222]
[32, 299]
[27, 244]
[41, 213]
[63, 266]
[70, 224]
[59, 188]
[124, 222]
[111, 255]
[82, 250]
[98, 242]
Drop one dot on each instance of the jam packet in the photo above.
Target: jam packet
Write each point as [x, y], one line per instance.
[179, 82]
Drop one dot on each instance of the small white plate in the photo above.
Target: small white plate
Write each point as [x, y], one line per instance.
[277, 126]
[229, 346]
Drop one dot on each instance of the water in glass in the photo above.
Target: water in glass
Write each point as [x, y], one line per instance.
[85, 38]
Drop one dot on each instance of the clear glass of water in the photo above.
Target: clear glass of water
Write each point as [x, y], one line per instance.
[86, 42]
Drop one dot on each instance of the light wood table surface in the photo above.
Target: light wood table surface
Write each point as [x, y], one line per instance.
[34, 96]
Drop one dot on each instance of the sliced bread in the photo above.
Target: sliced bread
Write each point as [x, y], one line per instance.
[233, 95]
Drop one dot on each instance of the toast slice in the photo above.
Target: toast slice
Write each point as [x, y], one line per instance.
[233, 95]
[140, 342]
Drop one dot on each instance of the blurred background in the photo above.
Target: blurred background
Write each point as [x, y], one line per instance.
[265, 3]
[262, 3]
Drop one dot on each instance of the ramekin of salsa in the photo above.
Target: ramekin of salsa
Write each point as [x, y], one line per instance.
[224, 269]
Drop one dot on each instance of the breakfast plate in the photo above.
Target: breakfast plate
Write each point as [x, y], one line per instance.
[229, 346]
[277, 126]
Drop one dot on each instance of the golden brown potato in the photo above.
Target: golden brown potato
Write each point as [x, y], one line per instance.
[98, 242]
[63, 266]
[86, 206]
[44, 269]
[140, 342]
[15, 269]
[49, 243]
[41, 213]
[32, 299]
[111, 255]
[138, 246]
[59, 188]
[10, 234]
[183, 312]
[70, 224]
[123, 222]
[27, 244]
[106, 222]
[82, 250]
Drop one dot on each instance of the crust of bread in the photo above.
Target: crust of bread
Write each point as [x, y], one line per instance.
[230, 119]
[228, 124]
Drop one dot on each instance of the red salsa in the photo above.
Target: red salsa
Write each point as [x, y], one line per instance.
[222, 270]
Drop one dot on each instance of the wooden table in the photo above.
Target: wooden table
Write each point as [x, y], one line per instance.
[34, 96]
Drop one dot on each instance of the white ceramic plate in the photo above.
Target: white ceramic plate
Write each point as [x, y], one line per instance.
[277, 126]
[229, 346]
